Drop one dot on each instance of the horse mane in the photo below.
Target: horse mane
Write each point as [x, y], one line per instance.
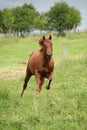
[41, 41]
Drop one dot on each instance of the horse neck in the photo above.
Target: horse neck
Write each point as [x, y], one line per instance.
[46, 60]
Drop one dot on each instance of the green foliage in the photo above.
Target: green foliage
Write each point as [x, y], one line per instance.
[24, 17]
[73, 18]
[8, 20]
[40, 22]
[1, 19]
[21, 19]
[61, 17]
[57, 16]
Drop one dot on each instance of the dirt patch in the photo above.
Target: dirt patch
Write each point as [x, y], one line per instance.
[12, 72]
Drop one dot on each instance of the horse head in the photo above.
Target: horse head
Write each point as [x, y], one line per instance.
[46, 46]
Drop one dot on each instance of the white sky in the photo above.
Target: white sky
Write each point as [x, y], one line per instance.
[44, 5]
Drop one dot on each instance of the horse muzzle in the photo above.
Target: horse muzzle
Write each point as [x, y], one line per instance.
[49, 55]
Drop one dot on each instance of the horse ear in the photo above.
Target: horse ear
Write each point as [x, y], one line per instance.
[41, 41]
[43, 37]
[50, 37]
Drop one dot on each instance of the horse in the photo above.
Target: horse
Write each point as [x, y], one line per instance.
[41, 65]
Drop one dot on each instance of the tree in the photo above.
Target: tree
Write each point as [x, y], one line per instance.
[61, 17]
[73, 19]
[57, 17]
[40, 22]
[8, 20]
[24, 18]
[1, 19]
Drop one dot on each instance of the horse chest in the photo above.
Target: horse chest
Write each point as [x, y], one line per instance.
[45, 71]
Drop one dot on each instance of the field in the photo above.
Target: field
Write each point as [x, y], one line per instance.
[64, 106]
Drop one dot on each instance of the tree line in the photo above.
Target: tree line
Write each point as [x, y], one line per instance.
[60, 18]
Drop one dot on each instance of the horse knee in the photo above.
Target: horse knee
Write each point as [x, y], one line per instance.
[38, 89]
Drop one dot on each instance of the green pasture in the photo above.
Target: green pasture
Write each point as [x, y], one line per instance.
[64, 106]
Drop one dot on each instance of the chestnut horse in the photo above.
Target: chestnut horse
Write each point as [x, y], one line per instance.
[41, 65]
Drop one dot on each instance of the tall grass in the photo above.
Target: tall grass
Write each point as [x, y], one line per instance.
[64, 106]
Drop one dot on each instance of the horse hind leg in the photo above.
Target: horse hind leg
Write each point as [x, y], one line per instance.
[27, 77]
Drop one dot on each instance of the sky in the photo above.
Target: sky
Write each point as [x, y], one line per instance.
[45, 5]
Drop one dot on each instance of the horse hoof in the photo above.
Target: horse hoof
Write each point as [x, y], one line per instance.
[47, 87]
[37, 95]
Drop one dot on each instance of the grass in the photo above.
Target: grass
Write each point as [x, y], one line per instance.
[64, 106]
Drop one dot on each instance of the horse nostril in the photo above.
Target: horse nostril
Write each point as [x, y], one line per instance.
[49, 55]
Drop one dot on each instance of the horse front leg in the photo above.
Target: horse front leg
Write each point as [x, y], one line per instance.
[48, 85]
[39, 87]
[50, 79]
